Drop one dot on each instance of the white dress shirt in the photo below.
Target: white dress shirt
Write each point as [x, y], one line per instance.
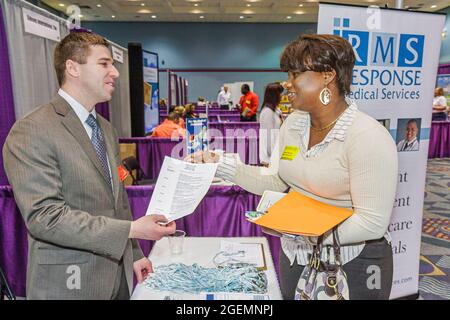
[83, 114]
[223, 98]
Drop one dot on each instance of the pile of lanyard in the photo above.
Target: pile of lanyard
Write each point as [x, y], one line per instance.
[178, 277]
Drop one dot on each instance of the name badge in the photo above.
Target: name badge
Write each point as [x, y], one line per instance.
[289, 153]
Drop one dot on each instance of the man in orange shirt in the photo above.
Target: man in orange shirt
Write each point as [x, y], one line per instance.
[248, 104]
[170, 128]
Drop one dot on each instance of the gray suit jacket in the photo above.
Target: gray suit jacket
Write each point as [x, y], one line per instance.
[77, 226]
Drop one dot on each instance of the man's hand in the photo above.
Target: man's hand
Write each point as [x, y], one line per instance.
[203, 157]
[142, 268]
[148, 228]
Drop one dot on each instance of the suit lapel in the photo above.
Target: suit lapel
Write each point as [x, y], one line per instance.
[75, 127]
[109, 138]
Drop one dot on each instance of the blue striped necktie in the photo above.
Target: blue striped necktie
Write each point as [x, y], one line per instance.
[99, 145]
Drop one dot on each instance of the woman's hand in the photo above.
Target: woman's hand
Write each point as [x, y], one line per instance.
[203, 157]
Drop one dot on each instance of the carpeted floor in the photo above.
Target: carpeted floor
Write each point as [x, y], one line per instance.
[434, 282]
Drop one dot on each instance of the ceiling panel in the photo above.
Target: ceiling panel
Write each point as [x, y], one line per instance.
[240, 11]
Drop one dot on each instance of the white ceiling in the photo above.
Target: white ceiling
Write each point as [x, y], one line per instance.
[269, 11]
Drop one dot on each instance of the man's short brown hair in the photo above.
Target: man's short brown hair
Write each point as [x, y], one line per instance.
[75, 46]
[321, 53]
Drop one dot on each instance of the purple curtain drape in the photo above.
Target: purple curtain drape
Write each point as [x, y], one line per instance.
[8, 116]
[439, 140]
[13, 242]
[444, 68]
[150, 152]
[234, 128]
[103, 109]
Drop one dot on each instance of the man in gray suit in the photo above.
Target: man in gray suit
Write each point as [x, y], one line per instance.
[62, 161]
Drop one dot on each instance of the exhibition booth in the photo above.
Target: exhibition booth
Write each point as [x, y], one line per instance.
[221, 212]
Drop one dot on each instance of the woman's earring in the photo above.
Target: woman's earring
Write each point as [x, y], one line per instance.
[325, 96]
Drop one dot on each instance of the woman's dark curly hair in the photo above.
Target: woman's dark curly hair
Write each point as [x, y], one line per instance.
[321, 53]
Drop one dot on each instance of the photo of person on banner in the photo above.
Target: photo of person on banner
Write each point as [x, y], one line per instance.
[410, 134]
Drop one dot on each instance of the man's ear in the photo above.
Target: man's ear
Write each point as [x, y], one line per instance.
[72, 68]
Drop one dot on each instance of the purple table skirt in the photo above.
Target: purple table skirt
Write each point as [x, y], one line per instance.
[150, 152]
[224, 118]
[211, 112]
[439, 140]
[218, 215]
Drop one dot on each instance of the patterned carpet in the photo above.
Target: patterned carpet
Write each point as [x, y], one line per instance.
[434, 282]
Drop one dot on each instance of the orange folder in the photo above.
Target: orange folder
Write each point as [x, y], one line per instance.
[301, 215]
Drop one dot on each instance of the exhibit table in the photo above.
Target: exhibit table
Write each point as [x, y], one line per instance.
[439, 140]
[202, 251]
[219, 214]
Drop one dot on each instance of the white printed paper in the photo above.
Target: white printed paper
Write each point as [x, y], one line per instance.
[268, 199]
[180, 188]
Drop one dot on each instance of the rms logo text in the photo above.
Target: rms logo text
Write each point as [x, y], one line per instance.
[383, 59]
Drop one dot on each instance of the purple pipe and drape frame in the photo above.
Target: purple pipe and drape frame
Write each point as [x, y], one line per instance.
[8, 116]
[444, 68]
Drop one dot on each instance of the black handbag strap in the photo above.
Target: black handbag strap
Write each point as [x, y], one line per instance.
[317, 249]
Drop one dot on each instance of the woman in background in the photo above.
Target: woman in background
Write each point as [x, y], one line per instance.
[270, 121]
[439, 105]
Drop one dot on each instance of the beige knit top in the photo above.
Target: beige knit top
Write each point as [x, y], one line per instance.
[355, 166]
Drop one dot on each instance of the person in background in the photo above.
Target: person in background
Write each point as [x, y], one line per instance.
[270, 121]
[170, 128]
[410, 143]
[439, 105]
[224, 97]
[189, 111]
[201, 101]
[181, 113]
[248, 104]
[162, 104]
[62, 162]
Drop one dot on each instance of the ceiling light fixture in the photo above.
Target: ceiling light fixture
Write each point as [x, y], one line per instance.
[300, 5]
[99, 6]
[249, 5]
[196, 5]
[113, 17]
[241, 17]
[153, 17]
[142, 4]
[201, 17]
[433, 6]
[299, 12]
[288, 17]
[61, 4]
